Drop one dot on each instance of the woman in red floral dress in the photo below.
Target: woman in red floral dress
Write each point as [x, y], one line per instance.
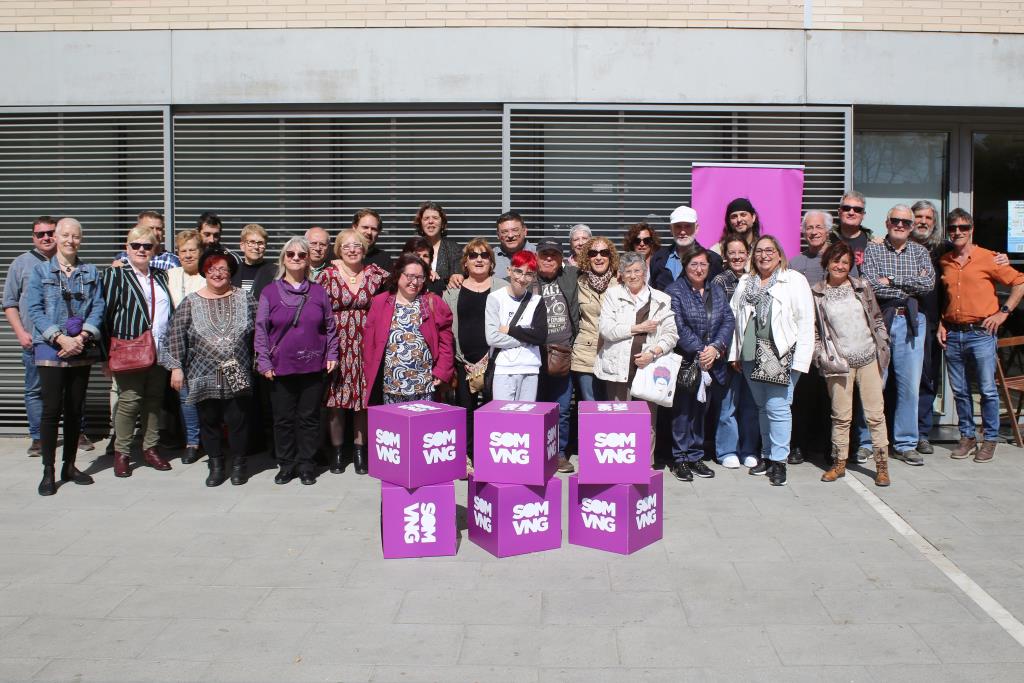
[350, 285]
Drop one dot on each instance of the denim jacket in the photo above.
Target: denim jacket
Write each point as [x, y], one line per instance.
[47, 308]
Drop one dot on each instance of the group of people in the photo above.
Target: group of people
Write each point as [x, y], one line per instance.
[287, 353]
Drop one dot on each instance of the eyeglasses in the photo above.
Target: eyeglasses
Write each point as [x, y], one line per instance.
[43, 234]
[766, 251]
[144, 246]
[593, 253]
[849, 207]
[509, 233]
[643, 240]
[960, 227]
[697, 266]
[524, 274]
[352, 246]
[256, 244]
[477, 255]
[901, 222]
[318, 245]
[300, 255]
[218, 271]
[414, 278]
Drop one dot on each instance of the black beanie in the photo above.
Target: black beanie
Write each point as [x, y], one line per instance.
[738, 204]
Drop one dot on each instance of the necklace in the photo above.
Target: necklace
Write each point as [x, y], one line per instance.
[66, 268]
[352, 277]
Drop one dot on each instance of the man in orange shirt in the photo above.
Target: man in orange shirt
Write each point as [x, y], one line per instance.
[970, 321]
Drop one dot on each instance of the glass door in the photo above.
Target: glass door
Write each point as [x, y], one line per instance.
[998, 184]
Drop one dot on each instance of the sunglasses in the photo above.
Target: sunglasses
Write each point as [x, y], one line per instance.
[43, 234]
[644, 240]
[300, 255]
[901, 222]
[847, 207]
[593, 253]
[960, 227]
[144, 246]
[477, 255]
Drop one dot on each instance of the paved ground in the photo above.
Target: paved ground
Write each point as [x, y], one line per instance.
[157, 578]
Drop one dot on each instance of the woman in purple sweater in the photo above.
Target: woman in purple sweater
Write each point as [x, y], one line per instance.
[295, 342]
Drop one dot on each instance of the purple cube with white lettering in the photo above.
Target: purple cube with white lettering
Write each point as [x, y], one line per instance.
[614, 442]
[619, 518]
[417, 443]
[418, 522]
[513, 519]
[515, 442]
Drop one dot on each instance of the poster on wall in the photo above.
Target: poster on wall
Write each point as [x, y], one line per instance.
[775, 191]
[1015, 226]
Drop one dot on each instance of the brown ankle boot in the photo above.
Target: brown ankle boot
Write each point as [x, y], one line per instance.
[838, 470]
[881, 468]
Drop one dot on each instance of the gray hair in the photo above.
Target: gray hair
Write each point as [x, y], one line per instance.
[580, 227]
[935, 238]
[631, 258]
[824, 214]
[853, 194]
[290, 244]
[898, 207]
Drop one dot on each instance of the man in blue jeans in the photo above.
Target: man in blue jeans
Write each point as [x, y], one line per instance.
[44, 246]
[899, 270]
[970, 322]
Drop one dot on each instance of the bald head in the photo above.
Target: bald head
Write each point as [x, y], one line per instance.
[64, 223]
[318, 245]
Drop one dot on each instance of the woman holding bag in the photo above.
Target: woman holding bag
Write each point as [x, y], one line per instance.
[851, 346]
[137, 315]
[705, 325]
[636, 328]
[295, 342]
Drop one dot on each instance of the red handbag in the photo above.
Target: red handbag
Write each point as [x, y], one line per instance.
[135, 355]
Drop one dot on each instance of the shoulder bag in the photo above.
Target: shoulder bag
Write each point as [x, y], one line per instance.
[135, 355]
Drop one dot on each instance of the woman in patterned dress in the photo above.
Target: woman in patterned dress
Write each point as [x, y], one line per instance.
[350, 285]
[408, 335]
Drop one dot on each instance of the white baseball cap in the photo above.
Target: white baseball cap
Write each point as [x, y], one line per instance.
[683, 214]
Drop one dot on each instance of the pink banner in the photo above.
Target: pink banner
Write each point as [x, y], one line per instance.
[776, 193]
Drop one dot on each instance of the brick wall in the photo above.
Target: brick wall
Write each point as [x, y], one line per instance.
[991, 16]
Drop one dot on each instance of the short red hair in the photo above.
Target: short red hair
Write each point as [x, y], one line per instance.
[215, 260]
[525, 260]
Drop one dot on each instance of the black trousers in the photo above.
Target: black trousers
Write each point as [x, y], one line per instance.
[468, 400]
[213, 413]
[812, 414]
[295, 402]
[63, 391]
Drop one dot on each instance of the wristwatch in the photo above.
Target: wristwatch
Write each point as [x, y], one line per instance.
[1004, 309]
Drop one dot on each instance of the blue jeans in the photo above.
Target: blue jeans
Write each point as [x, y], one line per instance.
[737, 425]
[190, 416]
[774, 414]
[33, 398]
[558, 390]
[588, 387]
[979, 349]
[905, 381]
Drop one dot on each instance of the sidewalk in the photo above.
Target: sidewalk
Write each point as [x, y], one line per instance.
[157, 578]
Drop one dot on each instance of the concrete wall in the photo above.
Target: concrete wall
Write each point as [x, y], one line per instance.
[871, 15]
[387, 66]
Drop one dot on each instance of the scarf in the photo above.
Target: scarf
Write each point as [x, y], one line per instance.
[758, 296]
[599, 283]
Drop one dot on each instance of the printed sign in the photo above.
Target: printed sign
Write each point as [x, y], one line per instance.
[417, 522]
[614, 442]
[415, 444]
[619, 518]
[515, 442]
[513, 519]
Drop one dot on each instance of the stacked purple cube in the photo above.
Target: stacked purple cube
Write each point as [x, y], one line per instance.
[417, 450]
[615, 501]
[514, 501]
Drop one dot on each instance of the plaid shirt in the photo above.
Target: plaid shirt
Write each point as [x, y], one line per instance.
[909, 270]
[165, 260]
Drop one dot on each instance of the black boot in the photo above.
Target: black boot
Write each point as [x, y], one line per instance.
[71, 473]
[216, 477]
[238, 471]
[337, 460]
[359, 456]
[191, 455]
[47, 487]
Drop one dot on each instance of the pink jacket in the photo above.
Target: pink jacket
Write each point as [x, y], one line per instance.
[436, 329]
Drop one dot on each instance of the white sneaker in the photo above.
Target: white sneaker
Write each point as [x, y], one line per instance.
[750, 461]
[731, 462]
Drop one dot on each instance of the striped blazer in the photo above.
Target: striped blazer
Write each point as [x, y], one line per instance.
[126, 314]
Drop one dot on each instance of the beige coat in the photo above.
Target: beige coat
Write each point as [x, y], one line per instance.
[584, 349]
[618, 315]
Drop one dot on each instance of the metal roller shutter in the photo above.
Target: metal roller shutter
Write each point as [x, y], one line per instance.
[101, 167]
[611, 166]
[288, 172]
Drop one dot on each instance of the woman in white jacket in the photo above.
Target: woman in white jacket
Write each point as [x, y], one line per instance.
[636, 327]
[773, 344]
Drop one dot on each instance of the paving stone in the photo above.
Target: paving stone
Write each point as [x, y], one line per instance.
[119, 671]
[64, 638]
[297, 671]
[906, 606]
[480, 606]
[196, 602]
[446, 674]
[622, 608]
[293, 572]
[721, 607]
[328, 604]
[970, 643]
[142, 571]
[539, 646]
[20, 668]
[850, 644]
[696, 646]
[229, 640]
[396, 644]
[61, 600]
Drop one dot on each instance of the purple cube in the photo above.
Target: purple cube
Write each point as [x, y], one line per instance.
[513, 519]
[417, 522]
[619, 518]
[415, 444]
[614, 442]
[515, 442]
